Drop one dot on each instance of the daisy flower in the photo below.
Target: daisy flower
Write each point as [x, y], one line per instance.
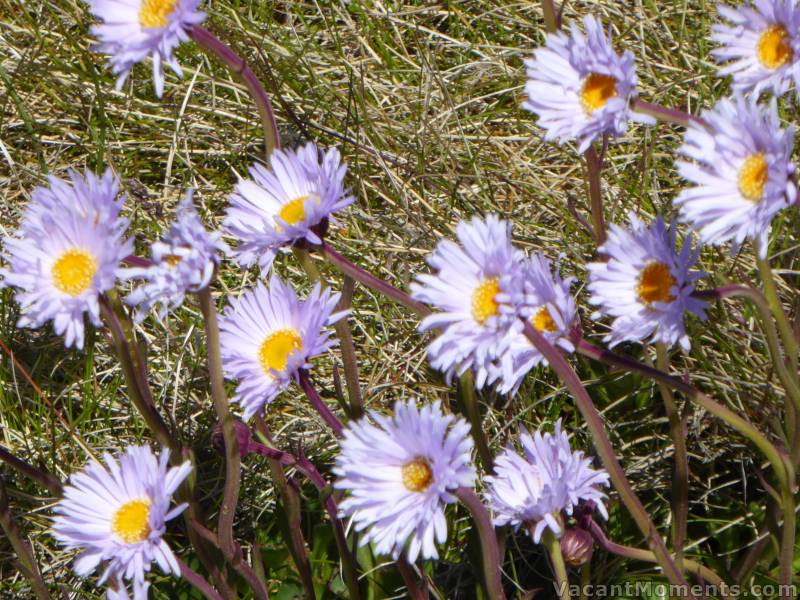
[400, 473]
[533, 489]
[472, 287]
[742, 172]
[132, 30]
[116, 514]
[64, 256]
[580, 88]
[183, 262]
[760, 46]
[546, 301]
[646, 285]
[268, 334]
[289, 203]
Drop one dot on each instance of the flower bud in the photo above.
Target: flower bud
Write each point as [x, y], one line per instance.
[576, 547]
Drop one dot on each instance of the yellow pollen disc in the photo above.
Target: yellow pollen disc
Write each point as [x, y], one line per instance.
[753, 175]
[655, 284]
[417, 475]
[131, 522]
[293, 212]
[73, 271]
[275, 350]
[773, 47]
[543, 321]
[483, 302]
[596, 91]
[154, 13]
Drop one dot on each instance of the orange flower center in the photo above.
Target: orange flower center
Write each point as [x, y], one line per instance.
[275, 350]
[655, 284]
[773, 47]
[753, 176]
[543, 321]
[483, 302]
[596, 91]
[417, 475]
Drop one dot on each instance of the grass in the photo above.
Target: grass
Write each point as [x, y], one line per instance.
[423, 99]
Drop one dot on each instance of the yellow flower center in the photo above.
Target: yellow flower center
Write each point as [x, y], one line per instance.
[753, 176]
[417, 475]
[131, 522]
[596, 91]
[154, 13]
[655, 284]
[73, 271]
[293, 212]
[275, 350]
[172, 260]
[773, 47]
[543, 321]
[483, 302]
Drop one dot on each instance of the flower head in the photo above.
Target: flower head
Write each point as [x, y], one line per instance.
[545, 300]
[580, 87]
[533, 489]
[65, 254]
[761, 45]
[293, 201]
[472, 288]
[400, 473]
[646, 285]
[132, 30]
[116, 513]
[742, 172]
[269, 334]
[183, 262]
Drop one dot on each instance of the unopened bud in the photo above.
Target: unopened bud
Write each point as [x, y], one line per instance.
[576, 547]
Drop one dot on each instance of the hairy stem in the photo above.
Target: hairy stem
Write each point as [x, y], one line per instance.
[45, 479]
[550, 16]
[662, 113]
[776, 308]
[213, 46]
[319, 404]
[680, 475]
[594, 165]
[469, 402]
[787, 545]
[230, 496]
[490, 552]
[606, 452]
[413, 590]
[197, 581]
[26, 559]
[553, 546]
[372, 282]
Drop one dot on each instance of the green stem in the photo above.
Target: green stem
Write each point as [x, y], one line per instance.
[680, 477]
[607, 453]
[27, 561]
[550, 16]
[44, 478]
[469, 401]
[787, 545]
[553, 546]
[230, 496]
[776, 308]
[490, 552]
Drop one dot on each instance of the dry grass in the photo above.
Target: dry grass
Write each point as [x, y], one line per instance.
[424, 101]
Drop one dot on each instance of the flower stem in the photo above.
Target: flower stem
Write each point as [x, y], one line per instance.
[776, 308]
[410, 579]
[26, 560]
[197, 581]
[230, 496]
[369, 280]
[662, 113]
[469, 402]
[594, 165]
[319, 404]
[680, 475]
[550, 16]
[213, 46]
[725, 414]
[44, 478]
[646, 556]
[606, 452]
[787, 545]
[553, 546]
[490, 552]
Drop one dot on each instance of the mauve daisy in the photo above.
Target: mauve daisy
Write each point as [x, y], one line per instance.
[533, 489]
[116, 513]
[580, 88]
[293, 201]
[183, 262]
[760, 46]
[399, 475]
[63, 257]
[646, 284]
[132, 30]
[546, 301]
[472, 287]
[268, 334]
[743, 173]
